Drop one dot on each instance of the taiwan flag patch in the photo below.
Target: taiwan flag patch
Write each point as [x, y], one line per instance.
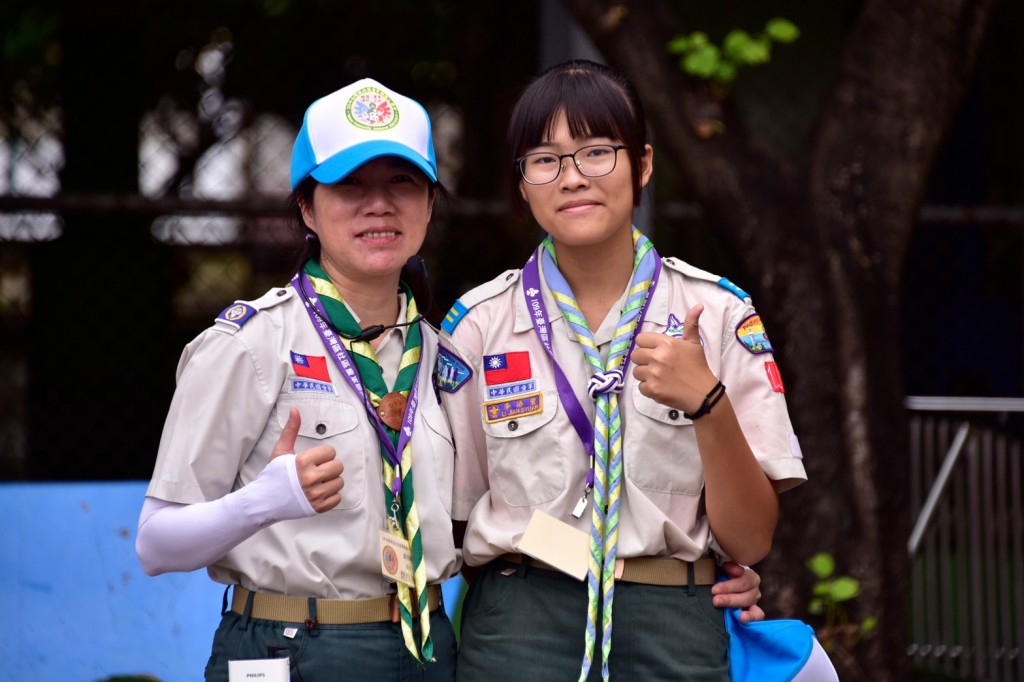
[310, 366]
[505, 368]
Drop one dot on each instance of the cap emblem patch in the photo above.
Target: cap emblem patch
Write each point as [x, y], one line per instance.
[371, 109]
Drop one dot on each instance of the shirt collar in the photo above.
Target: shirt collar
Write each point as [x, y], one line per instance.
[397, 333]
[657, 311]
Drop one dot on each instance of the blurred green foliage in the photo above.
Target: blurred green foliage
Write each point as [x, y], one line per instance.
[829, 597]
[700, 57]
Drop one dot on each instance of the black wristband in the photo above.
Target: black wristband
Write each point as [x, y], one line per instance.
[710, 400]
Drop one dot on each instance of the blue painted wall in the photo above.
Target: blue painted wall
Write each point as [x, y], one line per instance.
[81, 607]
[76, 604]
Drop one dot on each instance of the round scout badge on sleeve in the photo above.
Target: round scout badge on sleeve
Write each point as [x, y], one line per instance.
[751, 334]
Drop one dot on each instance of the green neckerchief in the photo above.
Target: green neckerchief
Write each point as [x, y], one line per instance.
[402, 511]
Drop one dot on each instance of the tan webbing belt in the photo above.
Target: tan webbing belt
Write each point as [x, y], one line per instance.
[328, 611]
[646, 570]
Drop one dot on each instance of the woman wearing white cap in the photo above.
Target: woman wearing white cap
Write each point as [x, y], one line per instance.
[333, 555]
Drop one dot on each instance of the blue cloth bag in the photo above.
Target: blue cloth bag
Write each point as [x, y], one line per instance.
[782, 650]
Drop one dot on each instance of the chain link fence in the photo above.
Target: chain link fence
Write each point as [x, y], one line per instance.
[215, 217]
[209, 224]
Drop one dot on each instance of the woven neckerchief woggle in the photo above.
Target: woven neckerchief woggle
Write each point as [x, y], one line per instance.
[604, 387]
[404, 506]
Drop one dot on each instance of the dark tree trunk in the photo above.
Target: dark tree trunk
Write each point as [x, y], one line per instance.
[824, 239]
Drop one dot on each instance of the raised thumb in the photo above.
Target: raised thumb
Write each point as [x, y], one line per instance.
[286, 442]
[691, 323]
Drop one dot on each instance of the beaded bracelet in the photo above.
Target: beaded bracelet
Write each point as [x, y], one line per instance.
[710, 400]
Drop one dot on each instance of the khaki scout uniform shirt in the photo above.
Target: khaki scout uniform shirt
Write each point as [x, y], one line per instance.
[506, 469]
[235, 389]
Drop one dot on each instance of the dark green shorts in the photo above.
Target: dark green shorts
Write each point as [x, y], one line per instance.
[522, 623]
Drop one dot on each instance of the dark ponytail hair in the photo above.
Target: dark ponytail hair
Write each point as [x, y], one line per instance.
[307, 245]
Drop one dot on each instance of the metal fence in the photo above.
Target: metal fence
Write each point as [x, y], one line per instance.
[967, 545]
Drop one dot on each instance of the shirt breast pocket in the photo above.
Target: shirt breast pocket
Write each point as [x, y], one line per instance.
[526, 461]
[660, 452]
[443, 451]
[329, 420]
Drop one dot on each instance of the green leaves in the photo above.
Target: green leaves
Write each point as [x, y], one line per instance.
[744, 48]
[828, 596]
[701, 58]
[782, 30]
[703, 61]
[822, 565]
[837, 590]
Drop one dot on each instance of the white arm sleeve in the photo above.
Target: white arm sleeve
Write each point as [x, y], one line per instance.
[185, 537]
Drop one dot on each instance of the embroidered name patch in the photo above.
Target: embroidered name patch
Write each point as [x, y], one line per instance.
[451, 372]
[509, 390]
[506, 368]
[503, 410]
[310, 366]
[310, 386]
[750, 333]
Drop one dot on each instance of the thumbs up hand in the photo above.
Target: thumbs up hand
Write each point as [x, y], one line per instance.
[318, 469]
[674, 371]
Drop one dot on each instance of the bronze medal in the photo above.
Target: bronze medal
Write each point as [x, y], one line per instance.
[392, 410]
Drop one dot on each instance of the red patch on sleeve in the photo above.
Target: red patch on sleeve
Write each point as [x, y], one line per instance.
[774, 376]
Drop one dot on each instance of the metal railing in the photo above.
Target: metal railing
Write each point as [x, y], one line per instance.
[967, 543]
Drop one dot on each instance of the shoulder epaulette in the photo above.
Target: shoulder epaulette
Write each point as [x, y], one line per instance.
[476, 296]
[232, 318]
[697, 273]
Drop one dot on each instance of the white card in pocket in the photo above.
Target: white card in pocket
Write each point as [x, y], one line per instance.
[556, 543]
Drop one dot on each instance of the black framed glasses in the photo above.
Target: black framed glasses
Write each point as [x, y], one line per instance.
[592, 161]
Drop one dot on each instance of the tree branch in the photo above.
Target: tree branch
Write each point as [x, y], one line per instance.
[725, 171]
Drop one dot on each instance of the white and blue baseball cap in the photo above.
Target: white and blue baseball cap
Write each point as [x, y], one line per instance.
[360, 122]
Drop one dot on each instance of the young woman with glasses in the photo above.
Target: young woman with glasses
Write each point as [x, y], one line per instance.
[620, 423]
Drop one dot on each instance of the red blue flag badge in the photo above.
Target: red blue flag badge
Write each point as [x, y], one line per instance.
[505, 368]
[310, 366]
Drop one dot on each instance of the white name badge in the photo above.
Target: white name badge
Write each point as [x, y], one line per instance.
[556, 543]
[266, 670]
[396, 558]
